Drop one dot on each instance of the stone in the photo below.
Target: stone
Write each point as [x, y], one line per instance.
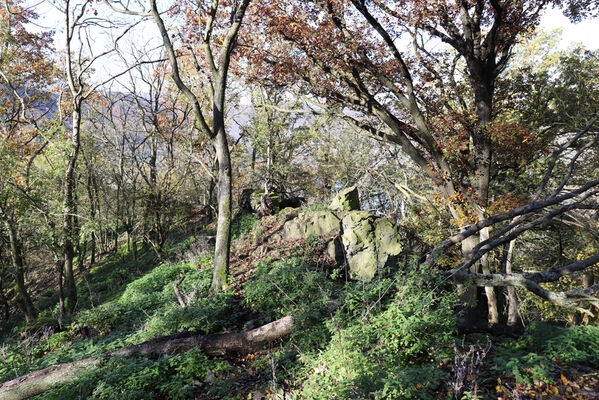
[369, 243]
[346, 200]
[335, 251]
[317, 224]
[359, 243]
[387, 237]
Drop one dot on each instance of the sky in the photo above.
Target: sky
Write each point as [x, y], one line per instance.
[585, 32]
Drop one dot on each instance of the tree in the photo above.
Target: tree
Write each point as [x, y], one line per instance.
[79, 21]
[25, 76]
[438, 103]
[219, 23]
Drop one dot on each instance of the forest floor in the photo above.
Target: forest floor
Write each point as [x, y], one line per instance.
[353, 340]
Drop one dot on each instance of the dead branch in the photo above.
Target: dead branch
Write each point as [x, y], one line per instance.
[38, 382]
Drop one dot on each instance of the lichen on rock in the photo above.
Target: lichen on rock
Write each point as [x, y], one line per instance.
[346, 200]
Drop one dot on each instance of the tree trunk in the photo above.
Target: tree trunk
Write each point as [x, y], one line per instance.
[17, 263]
[69, 211]
[59, 271]
[223, 228]
[92, 216]
[587, 280]
[483, 87]
[513, 316]
[468, 312]
[4, 299]
[493, 311]
[134, 245]
[38, 382]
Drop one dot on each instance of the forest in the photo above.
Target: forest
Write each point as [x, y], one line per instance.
[299, 199]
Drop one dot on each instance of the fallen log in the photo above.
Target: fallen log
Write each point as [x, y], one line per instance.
[38, 382]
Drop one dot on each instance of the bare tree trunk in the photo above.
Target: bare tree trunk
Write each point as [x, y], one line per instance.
[92, 217]
[513, 316]
[38, 382]
[493, 311]
[69, 210]
[587, 280]
[59, 271]
[217, 134]
[468, 311]
[223, 228]
[483, 88]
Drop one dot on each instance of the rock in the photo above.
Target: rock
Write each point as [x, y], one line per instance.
[346, 200]
[359, 242]
[335, 251]
[317, 224]
[369, 243]
[387, 237]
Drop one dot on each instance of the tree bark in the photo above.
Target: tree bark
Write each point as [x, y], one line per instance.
[69, 210]
[38, 382]
[4, 299]
[217, 134]
[513, 316]
[482, 83]
[223, 227]
[17, 262]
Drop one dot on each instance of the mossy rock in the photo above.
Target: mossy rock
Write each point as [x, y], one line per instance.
[359, 242]
[316, 224]
[368, 242]
[387, 237]
[346, 200]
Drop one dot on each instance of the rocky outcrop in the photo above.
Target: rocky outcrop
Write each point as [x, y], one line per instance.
[369, 243]
[346, 200]
[365, 241]
[316, 223]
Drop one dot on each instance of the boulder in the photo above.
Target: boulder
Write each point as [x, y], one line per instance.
[316, 223]
[359, 243]
[387, 237]
[369, 243]
[346, 200]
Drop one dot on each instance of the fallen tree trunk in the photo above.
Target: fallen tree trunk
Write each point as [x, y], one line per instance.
[38, 382]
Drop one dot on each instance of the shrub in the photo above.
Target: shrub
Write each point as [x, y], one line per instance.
[384, 352]
[243, 225]
[288, 287]
[204, 315]
[532, 357]
[172, 377]
[143, 297]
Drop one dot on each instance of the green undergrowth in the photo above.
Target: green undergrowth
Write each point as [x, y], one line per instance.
[351, 340]
[385, 337]
[354, 339]
[544, 350]
[147, 308]
[179, 376]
